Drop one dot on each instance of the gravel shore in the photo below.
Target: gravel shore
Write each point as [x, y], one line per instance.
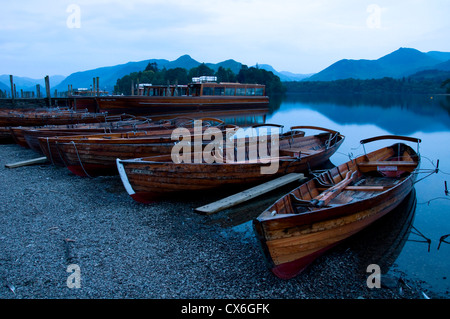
[50, 219]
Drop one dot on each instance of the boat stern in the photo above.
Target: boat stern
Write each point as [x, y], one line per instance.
[126, 183]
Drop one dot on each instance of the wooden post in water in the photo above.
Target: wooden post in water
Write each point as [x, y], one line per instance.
[12, 88]
[47, 90]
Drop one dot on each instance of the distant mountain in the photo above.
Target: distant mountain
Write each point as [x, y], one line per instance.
[444, 66]
[228, 64]
[443, 56]
[284, 75]
[406, 61]
[288, 76]
[400, 63]
[184, 61]
[28, 84]
[4, 87]
[403, 62]
[108, 75]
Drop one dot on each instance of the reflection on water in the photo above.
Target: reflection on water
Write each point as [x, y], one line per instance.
[443, 240]
[382, 242]
[401, 115]
[243, 117]
[415, 244]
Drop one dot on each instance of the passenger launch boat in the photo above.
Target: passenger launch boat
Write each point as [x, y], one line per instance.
[166, 99]
[334, 205]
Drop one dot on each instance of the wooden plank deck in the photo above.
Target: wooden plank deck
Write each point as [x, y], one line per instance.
[248, 194]
[38, 160]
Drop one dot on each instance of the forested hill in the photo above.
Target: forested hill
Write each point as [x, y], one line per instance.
[152, 74]
[425, 82]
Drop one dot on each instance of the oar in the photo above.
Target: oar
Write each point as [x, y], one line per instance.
[324, 198]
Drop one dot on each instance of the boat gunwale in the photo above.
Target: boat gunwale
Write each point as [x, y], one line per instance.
[363, 202]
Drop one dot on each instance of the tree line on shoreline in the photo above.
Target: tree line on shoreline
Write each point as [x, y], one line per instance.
[182, 76]
[427, 82]
[406, 85]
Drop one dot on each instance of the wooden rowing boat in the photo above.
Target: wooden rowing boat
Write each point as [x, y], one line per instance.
[334, 205]
[42, 117]
[5, 135]
[148, 178]
[95, 154]
[31, 136]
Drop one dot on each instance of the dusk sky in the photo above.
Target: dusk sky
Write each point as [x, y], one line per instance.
[39, 38]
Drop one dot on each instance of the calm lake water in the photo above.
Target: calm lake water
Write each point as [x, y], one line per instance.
[416, 247]
[425, 253]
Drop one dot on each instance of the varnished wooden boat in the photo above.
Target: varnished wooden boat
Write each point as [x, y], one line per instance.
[334, 205]
[42, 117]
[148, 178]
[31, 136]
[26, 136]
[95, 154]
[5, 135]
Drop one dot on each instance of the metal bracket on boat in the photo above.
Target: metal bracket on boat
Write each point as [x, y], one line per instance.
[256, 126]
[391, 137]
[291, 161]
[434, 171]
[329, 141]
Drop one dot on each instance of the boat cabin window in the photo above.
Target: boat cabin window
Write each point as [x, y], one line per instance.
[259, 91]
[194, 90]
[219, 91]
[240, 91]
[230, 91]
[250, 91]
[216, 89]
[207, 91]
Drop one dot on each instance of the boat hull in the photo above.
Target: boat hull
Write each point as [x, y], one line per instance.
[149, 179]
[310, 246]
[143, 105]
[291, 241]
[94, 159]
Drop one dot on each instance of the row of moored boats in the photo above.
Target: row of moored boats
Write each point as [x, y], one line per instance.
[330, 207]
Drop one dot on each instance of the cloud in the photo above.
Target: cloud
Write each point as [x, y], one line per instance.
[294, 35]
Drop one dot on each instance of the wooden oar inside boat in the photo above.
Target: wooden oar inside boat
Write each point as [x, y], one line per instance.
[325, 197]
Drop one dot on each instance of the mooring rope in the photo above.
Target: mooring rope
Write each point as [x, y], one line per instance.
[79, 159]
[49, 152]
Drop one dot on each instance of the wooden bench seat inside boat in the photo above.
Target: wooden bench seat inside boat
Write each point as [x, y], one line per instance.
[407, 166]
[297, 152]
